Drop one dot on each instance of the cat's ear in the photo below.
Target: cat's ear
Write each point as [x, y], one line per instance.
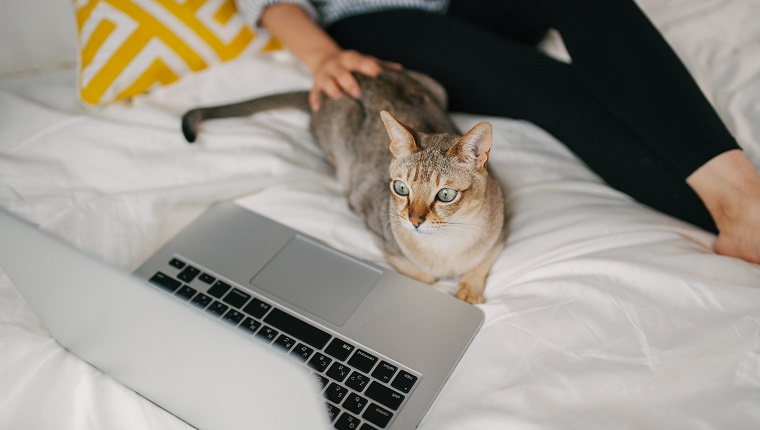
[475, 146]
[402, 141]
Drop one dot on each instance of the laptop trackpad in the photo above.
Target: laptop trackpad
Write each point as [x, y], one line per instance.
[318, 279]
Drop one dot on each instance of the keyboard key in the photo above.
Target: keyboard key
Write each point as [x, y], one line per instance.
[322, 381]
[302, 330]
[335, 393]
[233, 317]
[377, 415]
[218, 289]
[217, 308]
[363, 361]
[338, 371]
[186, 292]
[339, 349]
[165, 281]
[236, 298]
[332, 412]
[384, 371]
[347, 422]
[376, 401]
[257, 308]
[206, 278]
[404, 381]
[188, 273]
[250, 325]
[201, 300]
[267, 334]
[177, 263]
[384, 395]
[357, 381]
[302, 352]
[355, 403]
[319, 362]
[285, 342]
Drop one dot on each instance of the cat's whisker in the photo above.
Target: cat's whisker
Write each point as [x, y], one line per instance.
[465, 227]
[395, 219]
[457, 233]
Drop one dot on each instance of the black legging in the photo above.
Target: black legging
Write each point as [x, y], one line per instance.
[625, 105]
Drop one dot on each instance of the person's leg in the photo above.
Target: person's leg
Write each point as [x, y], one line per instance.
[625, 62]
[486, 73]
[524, 21]
[629, 66]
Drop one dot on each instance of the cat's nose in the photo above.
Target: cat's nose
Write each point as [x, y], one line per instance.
[416, 220]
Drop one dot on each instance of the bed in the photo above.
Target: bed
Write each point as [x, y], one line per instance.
[600, 313]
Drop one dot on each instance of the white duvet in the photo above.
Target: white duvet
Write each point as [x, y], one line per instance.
[601, 313]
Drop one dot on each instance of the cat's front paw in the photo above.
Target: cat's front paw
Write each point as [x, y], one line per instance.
[471, 294]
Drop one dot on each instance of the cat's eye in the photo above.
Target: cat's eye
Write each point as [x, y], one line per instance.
[447, 194]
[400, 188]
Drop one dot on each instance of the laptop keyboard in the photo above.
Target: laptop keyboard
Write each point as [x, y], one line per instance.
[362, 389]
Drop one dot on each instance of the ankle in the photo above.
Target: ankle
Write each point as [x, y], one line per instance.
[729, 186]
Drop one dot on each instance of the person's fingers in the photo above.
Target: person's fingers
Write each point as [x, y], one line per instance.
[331, 88]
[348, 83]
[315, 96]
[397, 66]
[361, 63]
[336, 75]
[324, 85]
[352, 61]
[335, 78]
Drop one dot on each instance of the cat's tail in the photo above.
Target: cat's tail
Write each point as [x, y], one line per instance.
[192, 119]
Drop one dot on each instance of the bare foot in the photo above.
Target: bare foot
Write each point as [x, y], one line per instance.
[729, 186]
[732, 245]
[740, 238]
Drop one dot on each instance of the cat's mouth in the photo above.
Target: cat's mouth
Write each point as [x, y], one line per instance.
[422, 230]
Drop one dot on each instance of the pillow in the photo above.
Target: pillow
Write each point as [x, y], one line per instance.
[127, 47]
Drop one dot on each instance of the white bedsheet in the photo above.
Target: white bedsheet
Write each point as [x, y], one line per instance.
[601, 313]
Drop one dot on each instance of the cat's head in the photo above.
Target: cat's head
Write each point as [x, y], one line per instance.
[437, 181]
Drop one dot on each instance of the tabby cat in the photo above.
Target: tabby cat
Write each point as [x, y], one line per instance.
[430, 199]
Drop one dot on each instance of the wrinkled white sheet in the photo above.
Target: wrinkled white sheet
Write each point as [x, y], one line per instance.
[601, 313]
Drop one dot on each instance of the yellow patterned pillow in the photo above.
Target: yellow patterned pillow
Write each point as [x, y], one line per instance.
[127, 47]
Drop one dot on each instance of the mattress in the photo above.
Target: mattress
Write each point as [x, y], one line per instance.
[601, 313]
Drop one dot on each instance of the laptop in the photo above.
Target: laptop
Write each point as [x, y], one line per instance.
[242, 321]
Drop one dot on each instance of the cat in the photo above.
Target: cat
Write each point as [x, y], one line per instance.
[429, 197]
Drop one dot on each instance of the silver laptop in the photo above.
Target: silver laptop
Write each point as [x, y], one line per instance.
[242, 321]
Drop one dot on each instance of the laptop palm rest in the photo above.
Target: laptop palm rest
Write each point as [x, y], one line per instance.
[317, 279]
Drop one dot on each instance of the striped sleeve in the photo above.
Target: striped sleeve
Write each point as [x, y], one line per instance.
[251, 10]
[334, 10]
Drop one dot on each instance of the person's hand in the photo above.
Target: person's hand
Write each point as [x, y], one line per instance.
[330, 65]
[333, 75]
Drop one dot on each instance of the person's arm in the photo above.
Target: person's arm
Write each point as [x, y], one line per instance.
[330, 65]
